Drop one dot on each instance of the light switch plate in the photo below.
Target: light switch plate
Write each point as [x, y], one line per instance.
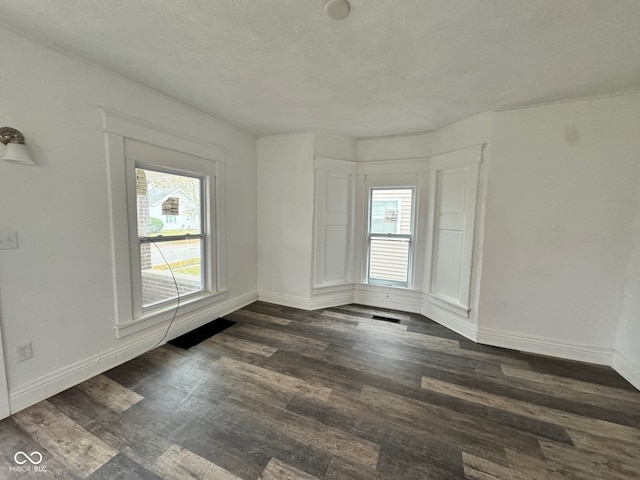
[8, 239]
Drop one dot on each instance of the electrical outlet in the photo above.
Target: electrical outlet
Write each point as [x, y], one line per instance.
[24, 352]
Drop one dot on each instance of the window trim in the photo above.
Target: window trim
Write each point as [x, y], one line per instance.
[117, 128]
[410, 237]
[179, 163]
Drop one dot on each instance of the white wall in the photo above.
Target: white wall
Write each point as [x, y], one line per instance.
[334, 146]
[561, 196]
[454, 137]
[553, 237]
[56, 290]
[626, 357]
[286, 212]
[471, 131]
[285, 218]
[286, 209]
[549, 263]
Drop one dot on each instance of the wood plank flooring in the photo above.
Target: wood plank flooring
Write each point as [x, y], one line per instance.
[335, 395]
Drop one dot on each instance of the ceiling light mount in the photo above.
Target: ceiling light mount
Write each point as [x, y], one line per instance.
[337, 9]
[16, 150]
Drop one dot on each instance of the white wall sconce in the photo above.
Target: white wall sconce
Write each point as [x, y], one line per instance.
[16, 150]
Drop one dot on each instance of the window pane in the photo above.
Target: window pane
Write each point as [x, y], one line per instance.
[391, 210]
[389, 260]
[185, 259]
[168, 204]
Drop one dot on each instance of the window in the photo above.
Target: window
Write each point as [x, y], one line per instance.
[175, 205]
[171, 253]
[390, 235]
[174, 227]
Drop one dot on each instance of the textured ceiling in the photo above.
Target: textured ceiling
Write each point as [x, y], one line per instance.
[393, 66]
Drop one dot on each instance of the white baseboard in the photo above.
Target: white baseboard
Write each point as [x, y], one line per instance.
[318, 301]
[66, 377]
[446, 305]
[448, 319]
[303, 303]
[626, 367]
[335, 289]
[331, 300]
[545, 346]
[388, 297]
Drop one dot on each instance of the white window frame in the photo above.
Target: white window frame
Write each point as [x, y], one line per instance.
[189, 154]
[410, 237]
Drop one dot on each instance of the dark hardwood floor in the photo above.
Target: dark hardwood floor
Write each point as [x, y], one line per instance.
[334, 394]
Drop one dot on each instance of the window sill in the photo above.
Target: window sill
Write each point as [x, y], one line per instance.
[166, 313]
[382, 288]
[388, 283]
